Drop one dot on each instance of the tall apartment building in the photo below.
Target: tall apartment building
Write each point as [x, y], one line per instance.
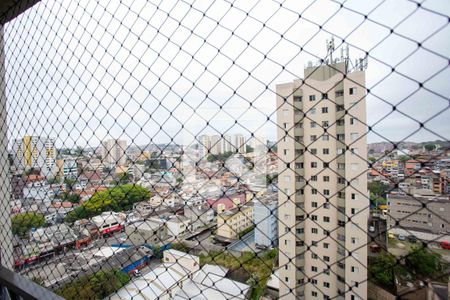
[322, 183]
[35, 152]
[239, 143]
[217, 144]
[114, 152]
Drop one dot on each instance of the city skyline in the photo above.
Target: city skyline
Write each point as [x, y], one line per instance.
[123, 99]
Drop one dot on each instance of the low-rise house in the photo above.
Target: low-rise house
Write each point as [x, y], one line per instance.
[146, 232]
[180, 277]
[178, 225]
[200, 215]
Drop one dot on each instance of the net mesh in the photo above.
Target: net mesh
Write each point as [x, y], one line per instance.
[227, 149]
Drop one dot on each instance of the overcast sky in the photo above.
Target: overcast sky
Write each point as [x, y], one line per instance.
[82, 71]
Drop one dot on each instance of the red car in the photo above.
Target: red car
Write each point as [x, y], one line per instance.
[445, 245]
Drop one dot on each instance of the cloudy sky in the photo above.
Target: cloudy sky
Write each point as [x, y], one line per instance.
[152, 71]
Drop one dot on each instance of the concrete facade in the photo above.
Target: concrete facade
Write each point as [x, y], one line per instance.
[314, 198]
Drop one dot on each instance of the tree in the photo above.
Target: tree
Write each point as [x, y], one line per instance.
[95, 286]
[430, 147]
[423, 262]
[70, 197]
[22, 223]
[377, 188]
[220, 157]
[403, 158]
[70, 183]
[118, 198]
[382, 269]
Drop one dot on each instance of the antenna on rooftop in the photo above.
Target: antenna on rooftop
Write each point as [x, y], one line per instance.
[330, 48]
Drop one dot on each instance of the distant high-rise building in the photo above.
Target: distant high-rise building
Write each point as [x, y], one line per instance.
[216, 145]
[204, 146]
[114, 152]
[322, 184]
[227, 143]
[239, 143]
[35, 152]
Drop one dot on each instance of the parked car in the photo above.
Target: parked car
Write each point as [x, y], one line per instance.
[412, 239]
[401, 237]
[391, 236]
[371, 228]
[445, 245]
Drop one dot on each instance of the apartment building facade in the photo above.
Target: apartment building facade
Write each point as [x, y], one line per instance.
[114, 152]
[231, 222]
[35, 152]
[323, 199]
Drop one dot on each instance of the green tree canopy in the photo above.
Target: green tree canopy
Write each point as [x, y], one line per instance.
[96, 286]
[378, 188]
[118, 198]
[424, 262]
[382, 269]
[430, 147]
[22, 223]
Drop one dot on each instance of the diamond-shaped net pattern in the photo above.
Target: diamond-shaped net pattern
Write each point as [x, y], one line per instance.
[227, 149]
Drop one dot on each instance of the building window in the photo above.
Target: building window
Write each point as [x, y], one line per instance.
[313, 124]
[314, 191]
[300, 192]
[339, 93]
[313, 204]
[352, 121]
[326, 192]
[326, 151]
[325, 124]
[324, 96]
[326, 205]
[314, 217]
[340, 107]
[354, 240]
[314, 230]
[352, 91]
[285, 125]
[340, 122]
[312, 111]
[354, 136]
[313, 268]
[326, 219]
[326, 284]
[326, 245]
[353, 195]
[314, 293]
[313, 138]
[286, 152]
[299, 125]
[313, 151]
[326, 178]
[314, 178]
[286, 279]
[313, 164]
[325, 137]
[355, 269]
[326, 165]
[299, 165]
[354, 150]
[297, 98]
[324, 110]
[312, 97]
